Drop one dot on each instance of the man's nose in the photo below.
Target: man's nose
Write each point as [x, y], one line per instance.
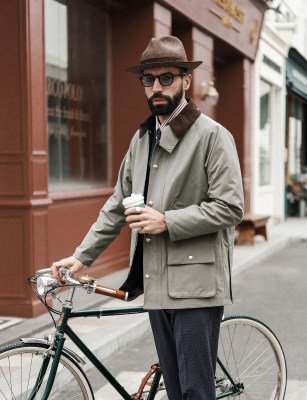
[157, 87]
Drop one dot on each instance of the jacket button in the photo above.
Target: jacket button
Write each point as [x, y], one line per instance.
[190, 258]
[147, 276]
[150, 203]
[169, 148]
[154, 166]
[148, 240]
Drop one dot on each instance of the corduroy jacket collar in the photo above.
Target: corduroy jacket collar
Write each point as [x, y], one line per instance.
[179, 125]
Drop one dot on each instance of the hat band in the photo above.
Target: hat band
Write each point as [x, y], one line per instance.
[164, 59]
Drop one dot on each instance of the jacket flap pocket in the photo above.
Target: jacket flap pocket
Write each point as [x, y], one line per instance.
[191, 281]
[197, 250]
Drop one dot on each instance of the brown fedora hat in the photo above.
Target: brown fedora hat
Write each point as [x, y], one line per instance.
[166, 51]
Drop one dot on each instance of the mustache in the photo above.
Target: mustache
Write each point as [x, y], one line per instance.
[159, 96]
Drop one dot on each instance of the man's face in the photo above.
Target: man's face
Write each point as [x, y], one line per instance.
[163, 100]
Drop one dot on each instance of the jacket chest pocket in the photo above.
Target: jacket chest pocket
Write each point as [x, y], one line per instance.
[191, 268]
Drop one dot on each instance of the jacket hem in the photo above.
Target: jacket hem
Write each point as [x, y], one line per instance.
[182, 305]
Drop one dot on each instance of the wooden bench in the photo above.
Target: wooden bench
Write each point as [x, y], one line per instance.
[251, 226]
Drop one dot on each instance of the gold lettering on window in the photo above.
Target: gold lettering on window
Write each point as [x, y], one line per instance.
[65, 90]
[232, 9]
[65, 104]
[75, 114]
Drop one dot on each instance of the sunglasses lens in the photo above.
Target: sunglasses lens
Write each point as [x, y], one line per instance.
[147, 80]
[166, 79]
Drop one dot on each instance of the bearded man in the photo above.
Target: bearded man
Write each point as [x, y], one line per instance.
[186, 166]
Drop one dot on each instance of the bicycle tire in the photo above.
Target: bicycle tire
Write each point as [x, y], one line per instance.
[19, 368]
[253, 356]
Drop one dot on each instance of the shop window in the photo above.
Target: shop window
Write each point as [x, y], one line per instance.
[265, 134]
[297, 157]
[77, 86]
[296, 140]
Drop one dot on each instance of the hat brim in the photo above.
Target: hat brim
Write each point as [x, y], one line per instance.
[138, 69]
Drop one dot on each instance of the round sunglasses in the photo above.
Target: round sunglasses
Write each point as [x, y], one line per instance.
[166, 79]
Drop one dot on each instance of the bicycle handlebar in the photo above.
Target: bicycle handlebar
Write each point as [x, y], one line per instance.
[54, 283]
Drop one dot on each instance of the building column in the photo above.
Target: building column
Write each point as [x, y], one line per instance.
[23, 154]
[203, 50]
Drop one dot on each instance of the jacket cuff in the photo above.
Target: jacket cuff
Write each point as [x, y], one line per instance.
[86, 262]
[170, 217]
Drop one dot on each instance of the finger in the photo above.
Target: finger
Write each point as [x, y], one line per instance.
[54, 272]
[137, 225]
[142, 230]
[56, 266]
[62, 263]
[134, 210]
[134, 218]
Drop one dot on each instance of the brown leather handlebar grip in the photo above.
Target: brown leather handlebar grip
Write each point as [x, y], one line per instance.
[118, 294]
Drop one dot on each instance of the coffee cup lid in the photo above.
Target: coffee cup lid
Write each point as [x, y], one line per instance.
[133, 198]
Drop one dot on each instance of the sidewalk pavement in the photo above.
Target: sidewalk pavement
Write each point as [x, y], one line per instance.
[109, 334]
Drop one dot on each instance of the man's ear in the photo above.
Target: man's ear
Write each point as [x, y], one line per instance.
[187, 81]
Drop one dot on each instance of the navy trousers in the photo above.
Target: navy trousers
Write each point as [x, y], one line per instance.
[186, 342]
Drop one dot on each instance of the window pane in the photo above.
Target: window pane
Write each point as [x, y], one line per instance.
[300, 112]
[76, 68]
[265, 134]
[293, 107]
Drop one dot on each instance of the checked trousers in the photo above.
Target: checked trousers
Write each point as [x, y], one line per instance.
[186, 342]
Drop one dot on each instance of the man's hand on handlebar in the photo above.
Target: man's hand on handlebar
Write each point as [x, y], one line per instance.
[72, 263]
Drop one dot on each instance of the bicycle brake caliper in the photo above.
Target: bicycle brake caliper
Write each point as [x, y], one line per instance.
[50, 337]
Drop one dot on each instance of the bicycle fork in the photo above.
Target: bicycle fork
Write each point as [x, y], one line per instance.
[56, 345]
[53, 370]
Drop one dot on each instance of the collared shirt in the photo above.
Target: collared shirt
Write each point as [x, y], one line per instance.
[173, 115]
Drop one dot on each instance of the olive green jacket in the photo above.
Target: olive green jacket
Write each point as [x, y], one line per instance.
[195, 181]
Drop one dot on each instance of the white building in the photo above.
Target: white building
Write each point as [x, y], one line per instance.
[279, 139]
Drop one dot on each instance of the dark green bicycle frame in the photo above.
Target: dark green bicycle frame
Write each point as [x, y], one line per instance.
[64, 329]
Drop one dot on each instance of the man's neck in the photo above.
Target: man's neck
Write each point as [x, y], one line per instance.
[162, 118]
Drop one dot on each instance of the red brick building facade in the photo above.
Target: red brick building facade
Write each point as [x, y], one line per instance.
[68, 111]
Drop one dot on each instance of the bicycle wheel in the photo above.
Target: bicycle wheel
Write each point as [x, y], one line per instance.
[20, 364]
[254, 358]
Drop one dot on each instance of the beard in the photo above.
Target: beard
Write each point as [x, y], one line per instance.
[169, 107]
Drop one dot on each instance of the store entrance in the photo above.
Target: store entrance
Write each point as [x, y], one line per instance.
[296, 166]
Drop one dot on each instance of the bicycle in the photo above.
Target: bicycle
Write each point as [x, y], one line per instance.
[250, 365]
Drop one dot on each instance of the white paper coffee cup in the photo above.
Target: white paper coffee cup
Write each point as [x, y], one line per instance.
[135, 200]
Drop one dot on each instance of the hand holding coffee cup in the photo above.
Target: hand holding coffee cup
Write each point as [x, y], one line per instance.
[135, 200]
[150, 221]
